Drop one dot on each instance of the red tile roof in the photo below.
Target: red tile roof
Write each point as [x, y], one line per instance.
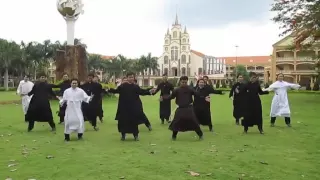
[198, 53]
[107, 57]
[247, 60]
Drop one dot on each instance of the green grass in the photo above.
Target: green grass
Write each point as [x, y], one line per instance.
[290, 153]
[8, 96]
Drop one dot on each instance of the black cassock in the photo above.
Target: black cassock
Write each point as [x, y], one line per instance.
[92, 110]
[184, 118]
[130, 112]
[238, 99]
[39, 108]
[201, 106]
[253, 107]
[165, 89]
[62, 86]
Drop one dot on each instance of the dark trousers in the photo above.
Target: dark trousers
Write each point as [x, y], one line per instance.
[67, 136]
[31, 124]
[259, 127]
[199, 133]
[286, 119]
[61, 119]
[93, 121]
[134, 134]
[147, 123]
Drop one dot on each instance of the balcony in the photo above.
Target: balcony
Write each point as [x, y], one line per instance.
[292, 59]
[297, 72]
[284, 59]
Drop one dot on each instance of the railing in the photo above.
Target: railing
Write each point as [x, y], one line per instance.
[297, 71]
[307, 58]
[285, 59]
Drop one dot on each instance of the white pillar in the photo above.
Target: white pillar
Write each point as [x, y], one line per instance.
[70, 30]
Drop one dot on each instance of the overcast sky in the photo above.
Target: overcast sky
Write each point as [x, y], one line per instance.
[136, 27]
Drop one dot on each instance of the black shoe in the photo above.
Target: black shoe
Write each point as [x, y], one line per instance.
[237, 123]
[66, 140]
[136, 138]
[96, 128]
[261, 132]
[174, 138]
[200, 138]
[53, 129]
[289, 125]
[162, 121]
[80, 138]
[150, 128]
[123, 138]
[211, 129]
[29, 130]
[245, 131]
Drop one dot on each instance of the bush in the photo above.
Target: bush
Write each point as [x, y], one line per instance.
[223, 84]
[308, 87]
[10, 89]
[316, 86]
[217, 85]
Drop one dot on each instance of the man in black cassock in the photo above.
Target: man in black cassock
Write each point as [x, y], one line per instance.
[253, 107]
[130, 111]
[165, 89]
[201, 103]
[100, 114]
[184, 118]
[92, 110]
[65, 84]
[39, 108]
[238, 96]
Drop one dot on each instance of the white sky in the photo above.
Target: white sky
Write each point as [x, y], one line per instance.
[128, 27]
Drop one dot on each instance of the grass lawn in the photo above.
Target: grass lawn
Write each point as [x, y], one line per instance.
[282, 153]
[8, 96]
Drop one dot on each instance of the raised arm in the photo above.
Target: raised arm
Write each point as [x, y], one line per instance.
[157, 90]
[293, 86]
[85, 97]
[211, 90]
[262, 92]
[143, 92]
[115, 91]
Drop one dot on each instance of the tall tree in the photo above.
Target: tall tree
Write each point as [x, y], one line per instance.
[298, 16]
[240, 70]
[151, 65]
[9, 51]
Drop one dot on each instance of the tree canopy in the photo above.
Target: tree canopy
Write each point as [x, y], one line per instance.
[301, 17]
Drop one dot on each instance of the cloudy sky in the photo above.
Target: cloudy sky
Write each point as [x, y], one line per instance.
[136, 27]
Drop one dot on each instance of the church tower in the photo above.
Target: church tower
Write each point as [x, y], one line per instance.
[176, 55]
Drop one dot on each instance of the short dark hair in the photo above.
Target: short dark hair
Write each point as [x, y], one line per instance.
[205, 77]
[75, 79]
[42, 74]
[90, 75]
[27, 75]
[184, 78]
[130, 74]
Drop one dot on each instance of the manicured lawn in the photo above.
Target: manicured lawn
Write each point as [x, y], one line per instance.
[282, 153]
[8, 96]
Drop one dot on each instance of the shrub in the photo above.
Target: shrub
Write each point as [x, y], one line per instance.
[308, 87]
[223, 84]
[218, 85]
[10, 89]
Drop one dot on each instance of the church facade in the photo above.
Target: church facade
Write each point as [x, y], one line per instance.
[178, 59]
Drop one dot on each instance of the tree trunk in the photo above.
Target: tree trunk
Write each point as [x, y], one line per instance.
[6, 79]
[72, 61]
[143, 78]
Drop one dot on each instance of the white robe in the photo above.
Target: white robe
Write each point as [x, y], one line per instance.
[73, 118]
[280, 103]
[23, 89]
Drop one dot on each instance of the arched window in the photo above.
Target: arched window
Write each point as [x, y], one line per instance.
[183, 71]
[183, 59]
[184, 40]
[175, 34]
[174, 53]
[167, 42]
[166, 60]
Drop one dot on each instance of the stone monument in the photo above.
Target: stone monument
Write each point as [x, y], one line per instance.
[72, 60]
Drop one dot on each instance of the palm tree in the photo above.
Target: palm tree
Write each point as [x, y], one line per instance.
[151, 64]
[9, 52]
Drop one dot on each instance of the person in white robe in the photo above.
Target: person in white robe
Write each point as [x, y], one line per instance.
[25, 86]
[74, 120]
[280, 103]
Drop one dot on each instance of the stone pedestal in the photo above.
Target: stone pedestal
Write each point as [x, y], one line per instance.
[73, 61]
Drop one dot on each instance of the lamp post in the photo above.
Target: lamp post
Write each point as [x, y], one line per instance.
[70, 11]
[236, 60]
